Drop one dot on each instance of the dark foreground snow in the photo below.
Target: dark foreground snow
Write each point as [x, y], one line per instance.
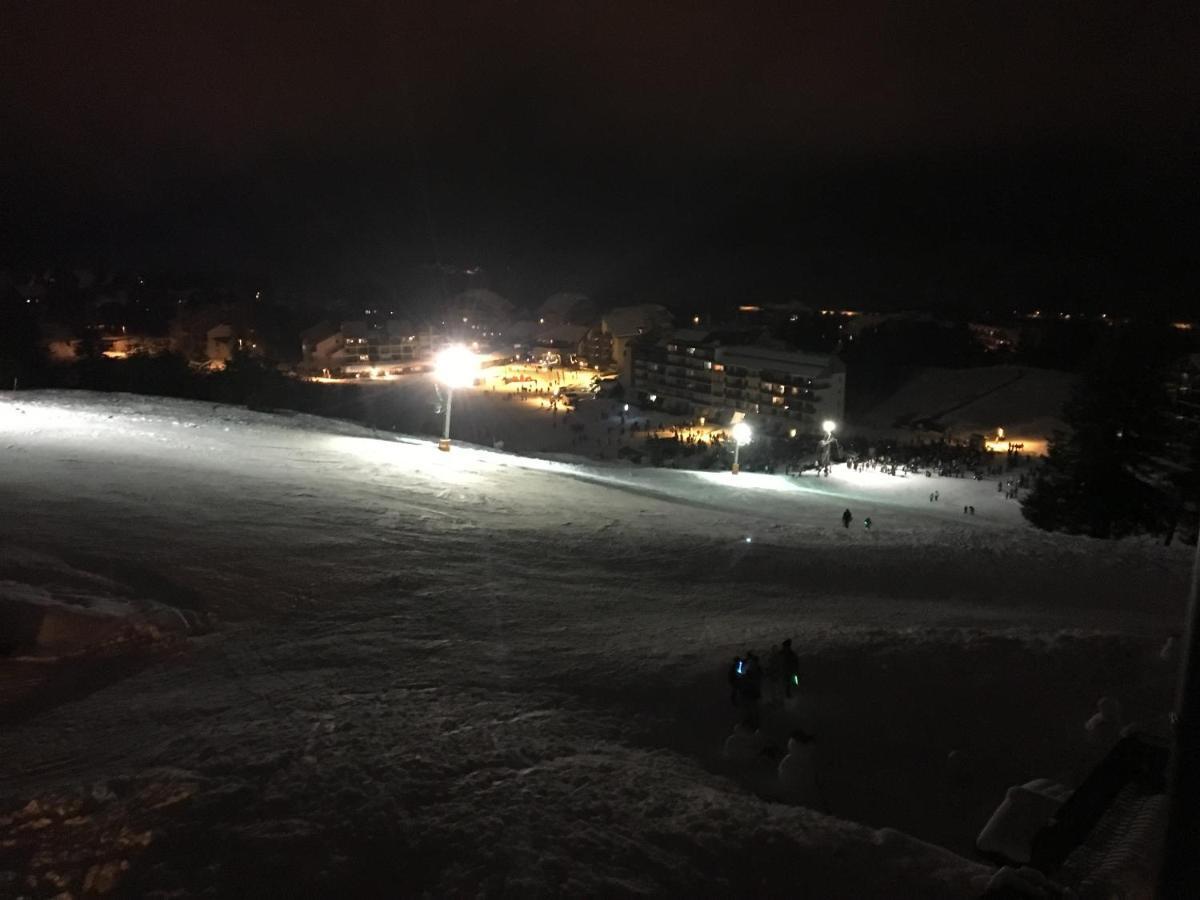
[475, 671]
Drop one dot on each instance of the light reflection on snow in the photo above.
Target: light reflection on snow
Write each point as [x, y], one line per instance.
[459, 467]
[840, 479]
[18, 416]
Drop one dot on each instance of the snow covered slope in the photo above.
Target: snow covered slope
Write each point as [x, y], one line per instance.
[1024, 401]
[448, 671]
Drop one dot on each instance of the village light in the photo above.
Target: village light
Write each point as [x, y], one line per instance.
[742, 434]
[454, 367]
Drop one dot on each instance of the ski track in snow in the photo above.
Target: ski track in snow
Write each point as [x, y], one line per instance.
[482, 670]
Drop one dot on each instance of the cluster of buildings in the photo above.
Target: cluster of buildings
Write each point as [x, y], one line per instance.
[708, 374]
[712, 375]
[565, 331]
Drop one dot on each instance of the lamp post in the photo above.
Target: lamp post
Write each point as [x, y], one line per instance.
[454, 367]
[829, 426]
[741, 435]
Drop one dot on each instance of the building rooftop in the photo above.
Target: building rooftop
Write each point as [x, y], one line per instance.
[794, 361]
[571, 334]
[626, 321]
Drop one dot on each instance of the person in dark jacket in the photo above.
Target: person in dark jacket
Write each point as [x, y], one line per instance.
[789, 667]
[846, 519]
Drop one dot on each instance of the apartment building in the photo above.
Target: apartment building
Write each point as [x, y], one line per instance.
[693, 372]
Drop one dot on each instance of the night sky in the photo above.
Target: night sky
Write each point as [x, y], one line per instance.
[883, 154]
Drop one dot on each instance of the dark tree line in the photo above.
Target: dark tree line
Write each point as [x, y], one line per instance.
[1128, 463]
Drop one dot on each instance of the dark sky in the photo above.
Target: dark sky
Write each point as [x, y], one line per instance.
[843, 152]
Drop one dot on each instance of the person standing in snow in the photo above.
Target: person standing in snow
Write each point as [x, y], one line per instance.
[846, 519]
[753, 683]
[737, 671]
[774, 676]
[789, 667]
[867, 523]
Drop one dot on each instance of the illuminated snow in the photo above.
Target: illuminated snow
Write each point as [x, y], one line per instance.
[445, 648]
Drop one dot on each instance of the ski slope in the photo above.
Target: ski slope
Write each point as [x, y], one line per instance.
[475, 670]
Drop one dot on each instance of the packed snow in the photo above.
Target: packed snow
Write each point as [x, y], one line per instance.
[476, 671]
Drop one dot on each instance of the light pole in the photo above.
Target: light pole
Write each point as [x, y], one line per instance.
[829, 426]
[741, 435]
[454, 367]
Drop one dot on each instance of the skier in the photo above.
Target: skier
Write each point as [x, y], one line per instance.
[846, 519]
[867, 523]
[789, 667]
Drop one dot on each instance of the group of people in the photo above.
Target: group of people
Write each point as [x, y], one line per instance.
[753, 683]
[941, 459]
[848, 517]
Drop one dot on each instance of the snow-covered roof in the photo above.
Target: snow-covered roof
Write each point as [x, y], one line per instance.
[318, 332]
[792, 361]
[626, 321]
[566, 305]
[567, 334]
[690, 335]
[355, 329]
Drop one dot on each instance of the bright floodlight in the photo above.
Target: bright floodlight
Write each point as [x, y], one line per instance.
[456, 367]
[829, 425]
[742, 433]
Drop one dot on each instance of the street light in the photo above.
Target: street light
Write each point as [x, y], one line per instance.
[827, 442]
[741, 435]
[454, 367]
